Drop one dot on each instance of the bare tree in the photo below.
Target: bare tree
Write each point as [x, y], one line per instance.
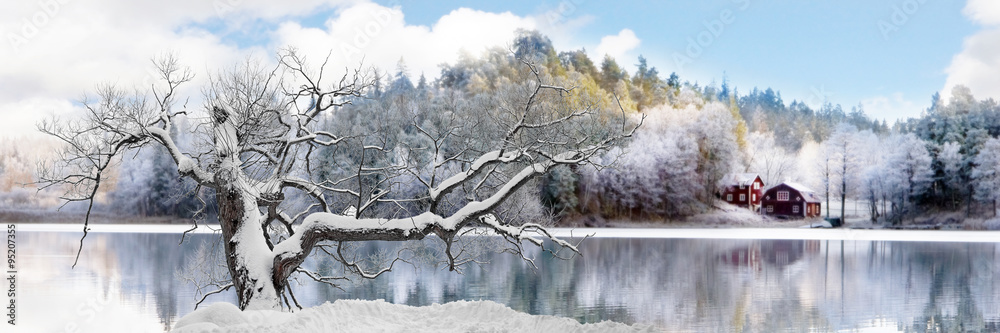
[262, 132]
[766, 158]
[843, 146]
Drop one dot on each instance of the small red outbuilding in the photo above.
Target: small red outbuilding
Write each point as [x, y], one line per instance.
[742, 189]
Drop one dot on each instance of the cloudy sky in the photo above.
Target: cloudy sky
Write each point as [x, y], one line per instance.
[888, 55]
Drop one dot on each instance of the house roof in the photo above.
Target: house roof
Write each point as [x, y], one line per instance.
[744, 179]
[798, 187]
[806, 192]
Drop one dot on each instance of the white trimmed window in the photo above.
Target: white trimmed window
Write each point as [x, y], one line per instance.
[743, 197]
[753, 197]
[756, 186]
[770, 209]
[783, 196]
[729, 197]
[795, 209]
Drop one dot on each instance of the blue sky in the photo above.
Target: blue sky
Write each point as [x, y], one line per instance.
[890, 56]
[809, 50]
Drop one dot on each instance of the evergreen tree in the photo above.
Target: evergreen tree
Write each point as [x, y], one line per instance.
[611, 74]
[579, 62]
[986, 173]
[422, 83]
[401, 82]
[533, 46]
[648, 87]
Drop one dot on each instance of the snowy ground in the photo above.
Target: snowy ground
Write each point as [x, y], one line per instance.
[379, 316]
[723, 215]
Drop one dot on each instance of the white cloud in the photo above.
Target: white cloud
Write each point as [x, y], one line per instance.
[985, 12]
[380, 36]
[20, 117]
[891, 108]
[56, 50]
[617, 46]
[977, 65]
[979, 61]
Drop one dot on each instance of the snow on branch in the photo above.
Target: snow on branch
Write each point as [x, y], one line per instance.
[117, 121]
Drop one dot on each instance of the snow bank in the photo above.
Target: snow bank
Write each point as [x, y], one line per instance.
[380, 316]
[725, 214]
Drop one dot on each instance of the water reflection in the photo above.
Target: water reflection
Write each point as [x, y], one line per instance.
[128, 282]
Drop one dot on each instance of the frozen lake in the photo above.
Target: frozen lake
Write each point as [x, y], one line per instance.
[758, 280]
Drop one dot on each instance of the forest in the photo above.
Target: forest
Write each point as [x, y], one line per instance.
[692, 134]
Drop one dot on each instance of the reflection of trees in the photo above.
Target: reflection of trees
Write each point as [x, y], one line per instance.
[675, 284]
[951, 306]
[148, 266]
[136, 270]
[703, 285]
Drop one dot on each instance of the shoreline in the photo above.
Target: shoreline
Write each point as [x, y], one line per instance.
[48, 216]
[724, 218]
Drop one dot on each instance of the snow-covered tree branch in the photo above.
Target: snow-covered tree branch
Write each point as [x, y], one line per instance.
[277, 146]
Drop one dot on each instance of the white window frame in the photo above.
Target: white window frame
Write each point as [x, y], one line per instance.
[753, 197]
[782, 195]
[729, 197]
[770, 208]
[795, 209]
[743, 197]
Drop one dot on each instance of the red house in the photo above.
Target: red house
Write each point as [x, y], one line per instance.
[742, 189]
[790, 200]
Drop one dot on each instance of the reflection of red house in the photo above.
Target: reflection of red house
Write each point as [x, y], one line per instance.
[742, 189]
[779, 253]
[790, 200]
[745, 256]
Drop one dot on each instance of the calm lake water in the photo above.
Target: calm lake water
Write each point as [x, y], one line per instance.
[133, 282]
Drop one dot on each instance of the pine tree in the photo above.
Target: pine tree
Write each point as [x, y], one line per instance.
[611, 74]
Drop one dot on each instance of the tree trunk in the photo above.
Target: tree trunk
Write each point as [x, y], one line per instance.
[247, 255]
[968, 203]
[843, 200]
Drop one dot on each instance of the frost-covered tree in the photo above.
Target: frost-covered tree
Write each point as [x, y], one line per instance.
[952, 163]
[910, 166]
[768, 159]
[986, 173]
[671, 167]
[873, 186]
[824, 167]
[961, 121]
[261, 131]
[842, 148]
[401, 80]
